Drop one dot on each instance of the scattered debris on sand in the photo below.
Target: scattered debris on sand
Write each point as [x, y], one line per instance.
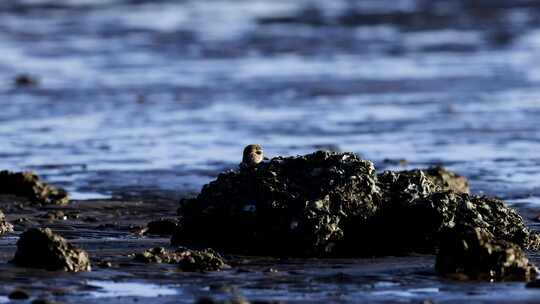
[186, 259]
[28, 185]
[469, 252]
[5, 226]
[41, 248]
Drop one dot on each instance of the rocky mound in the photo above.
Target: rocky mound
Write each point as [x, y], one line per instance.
[288, 206]
[468, 252]
[28, 185]
[334, 204]
[41, 248]
[5, 227]
[186, 259]
[417, 225]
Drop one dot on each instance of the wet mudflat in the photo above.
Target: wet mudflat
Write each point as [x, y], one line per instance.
[110, 232]
[137, 104]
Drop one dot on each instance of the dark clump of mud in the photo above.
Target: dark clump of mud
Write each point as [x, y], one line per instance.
[335, 204]
[473, 253]
[41, 248]
[288, 206]
[186, 259]
[5, 226]
[28, 185]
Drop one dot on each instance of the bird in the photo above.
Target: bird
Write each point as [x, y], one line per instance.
[252, 156]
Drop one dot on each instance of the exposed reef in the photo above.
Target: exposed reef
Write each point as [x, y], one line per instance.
[287, 206]
[335, 204]
[468, 252]
[28, 185]
[186, 259]
[41, 248]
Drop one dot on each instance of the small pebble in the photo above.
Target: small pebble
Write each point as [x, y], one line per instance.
[19, 295]
[25, 80]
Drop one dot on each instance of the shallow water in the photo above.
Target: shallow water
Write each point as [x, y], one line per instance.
[154, 98]
[109, 289]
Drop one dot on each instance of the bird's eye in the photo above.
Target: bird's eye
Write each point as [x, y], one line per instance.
[259, 152]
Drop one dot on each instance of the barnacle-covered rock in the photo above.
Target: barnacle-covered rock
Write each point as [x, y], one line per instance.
[443, 210]
[474, 253]
[28, 185]
[403, 187]
[41, 248]
[186, 259]
[447, 180]
[5, 226]
[287, 206]
[334, 204]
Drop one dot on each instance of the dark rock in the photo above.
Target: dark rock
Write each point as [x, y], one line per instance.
[447, 180]
[41, 248]
[186, 259]
[57, 215]
[416, 225]
[25, 80]
[287, 206]
[443, 210]
[105, 264]
[161, 227]
[205, 300]
[401, 161]
[533, 284]
[28, 185]
[18, 295]
[403, 187]
[42, 301]
[475, 253]
[334, 204]
[5, 227]
[24, 222]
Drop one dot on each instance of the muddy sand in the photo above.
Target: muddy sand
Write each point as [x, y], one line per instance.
[110, 231]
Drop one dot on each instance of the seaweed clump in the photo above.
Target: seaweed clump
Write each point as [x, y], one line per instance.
[41, 248]
[5, 226]
[186, 259]
[296, 206]
[28, 185]
[469, 252]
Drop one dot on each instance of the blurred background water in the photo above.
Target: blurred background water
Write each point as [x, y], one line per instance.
[140, 97]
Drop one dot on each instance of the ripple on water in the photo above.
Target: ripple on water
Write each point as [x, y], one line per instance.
[111, 289]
